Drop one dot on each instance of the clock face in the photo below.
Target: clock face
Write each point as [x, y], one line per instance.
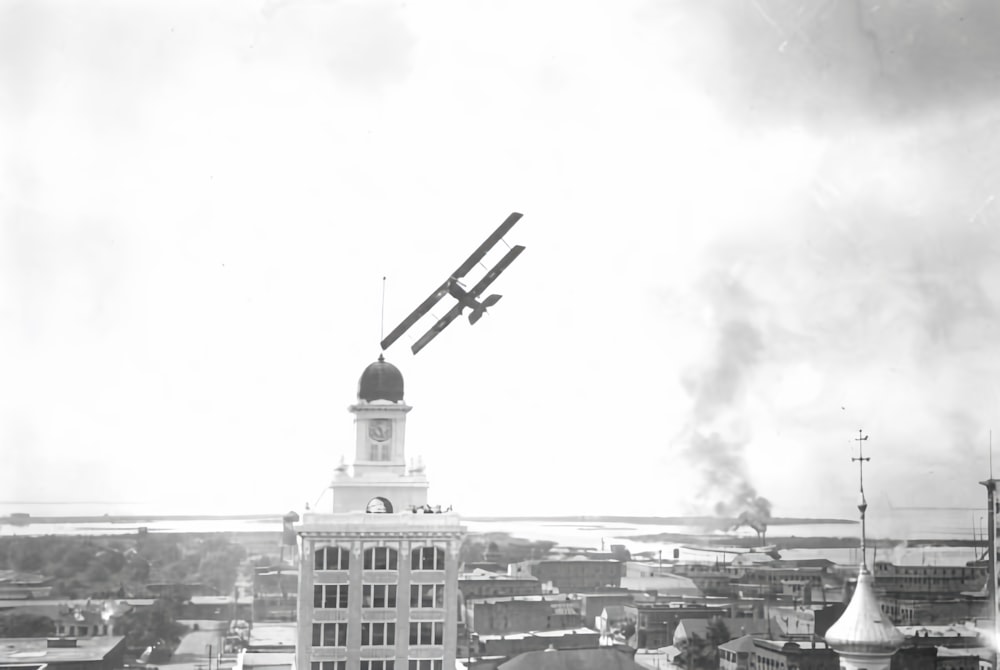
[380, 430]
[377, 506]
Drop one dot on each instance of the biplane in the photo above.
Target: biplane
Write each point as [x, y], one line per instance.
[467, 298]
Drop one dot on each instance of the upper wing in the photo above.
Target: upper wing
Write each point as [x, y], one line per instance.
[453, 313]
[483, 248]
[497, 269]
[424, 307]
[440, 325]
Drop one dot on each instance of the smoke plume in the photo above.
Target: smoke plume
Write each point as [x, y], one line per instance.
[714, 441]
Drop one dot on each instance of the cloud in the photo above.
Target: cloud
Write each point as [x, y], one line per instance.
[367, 46]
[831, 63]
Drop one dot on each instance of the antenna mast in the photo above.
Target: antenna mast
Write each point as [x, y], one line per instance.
[381, 328]
[863, 506]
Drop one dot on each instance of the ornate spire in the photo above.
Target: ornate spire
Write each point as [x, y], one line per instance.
[863, 636]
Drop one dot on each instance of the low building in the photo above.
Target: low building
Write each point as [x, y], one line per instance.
[736, 654]
[952, 636]
[76, 618]
[712, 578]
[217, 608]
[96, 653]
[770, 579]
[91, 618]
[666, 585]
[484, 584]
[793, 622]
[272, 636]
[577, 574]
[180, 592]
[15, 585]
[914, 658]
[275, 593]
[271, 660]
[750, 653]
[611, 625]
[270, 646]
[737, 627]
[518, 643]
[598, 658]
[655, 622]
[927, 579]
[592, 605]
[521, 614]
[932, 610]
[955, 659]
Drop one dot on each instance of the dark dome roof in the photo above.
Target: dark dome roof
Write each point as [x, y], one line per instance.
[381, 381]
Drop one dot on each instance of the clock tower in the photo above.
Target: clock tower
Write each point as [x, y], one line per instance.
[378, 574]
[380, 470]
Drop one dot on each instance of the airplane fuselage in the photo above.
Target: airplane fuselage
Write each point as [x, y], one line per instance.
[462, 296]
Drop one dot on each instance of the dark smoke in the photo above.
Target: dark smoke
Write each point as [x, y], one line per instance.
[755, 512]
[715, 440]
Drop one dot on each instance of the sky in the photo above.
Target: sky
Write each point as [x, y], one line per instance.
[752, 229]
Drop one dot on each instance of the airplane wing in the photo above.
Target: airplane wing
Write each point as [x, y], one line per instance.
[440, 325]
[462, 270]
[497, 269]
[478, 254]
[424, 307]
[455, 311]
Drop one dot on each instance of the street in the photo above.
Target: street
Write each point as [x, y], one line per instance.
[193, 651]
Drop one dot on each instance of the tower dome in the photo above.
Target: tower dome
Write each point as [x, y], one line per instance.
[381, 381]
[863, 628]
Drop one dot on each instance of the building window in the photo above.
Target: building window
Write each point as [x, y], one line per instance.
[328, 665]
[381, 558]
[426, 664]
[426, 595]
[332, 558]
[379, 595]
[378, 665]
[378, 634]
[427, 558]
[426, 632]
[329, 634]
[379, 452]
[330, 596]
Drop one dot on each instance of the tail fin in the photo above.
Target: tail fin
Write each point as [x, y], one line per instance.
[477, 313]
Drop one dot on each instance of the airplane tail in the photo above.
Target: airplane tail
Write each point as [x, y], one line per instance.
[477, 313]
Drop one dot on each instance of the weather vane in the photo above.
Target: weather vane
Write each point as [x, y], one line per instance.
[454, 287]
[861, 459]
[863, 506]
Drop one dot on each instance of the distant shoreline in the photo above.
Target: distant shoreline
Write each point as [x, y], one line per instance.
[705, 539]
[128, 518]
[710, 521]
[667, 520]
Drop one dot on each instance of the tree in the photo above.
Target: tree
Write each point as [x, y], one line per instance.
[25, 554]
[19, 624]
[717, 633]
[219, 568]
[151, 626]
[703, 653]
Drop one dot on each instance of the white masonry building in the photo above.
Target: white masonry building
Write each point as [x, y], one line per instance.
[378, 579]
